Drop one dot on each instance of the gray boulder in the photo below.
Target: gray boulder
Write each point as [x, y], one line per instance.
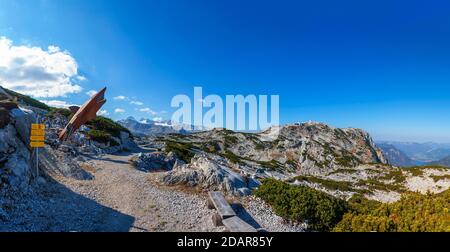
[23, 119]
[126, 141]
[154, 161]
[208, 174]
[15, 171]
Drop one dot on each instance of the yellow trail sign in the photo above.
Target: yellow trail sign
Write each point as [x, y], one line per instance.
[37, 132]
[37, 126]
[37, 135]
[37, 144]
[37, 138]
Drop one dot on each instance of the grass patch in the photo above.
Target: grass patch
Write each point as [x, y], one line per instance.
[59, 111]
[344, 170]
[101, 137]
[396, 175]
[346, 159]
[271, 165]
[328, 184]
[292, 163]
[230, 140]
[107, 126]
[419, 170]
[182, 150]
[374, 184]
[211, 147]
[27, 100]
[233, 158]
[436, 178]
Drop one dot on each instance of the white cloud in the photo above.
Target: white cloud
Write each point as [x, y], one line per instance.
[91, 93]
[102, 112]
[148, 110]
[81, 78]
[38, 72]
[120, 98]
[158, 119]
[138, 103]
[58, 103]
[119, 110]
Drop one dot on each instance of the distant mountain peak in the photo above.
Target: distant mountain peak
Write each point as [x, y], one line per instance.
[147, 126]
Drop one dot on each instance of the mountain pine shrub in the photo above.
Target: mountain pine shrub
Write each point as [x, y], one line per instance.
[300, 203]
[414, 212]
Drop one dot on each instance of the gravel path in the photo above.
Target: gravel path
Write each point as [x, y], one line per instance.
[122, 198]
[133, 193]
[119, 198]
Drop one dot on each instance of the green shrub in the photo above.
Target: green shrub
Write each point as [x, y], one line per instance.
[416, 171]
[107, 125]
[436, 178]
[328, 184]
[301, 203]
[271, 165]
[232, 157]
[230, 140]
[396, 175]
[346, 159]
[414, 212]
[419, 170]
[292, 163]
[211, 147]
[182, 150]
[59, 111]
[344, 170]
[359, 204]
[101, 137]
[27, 100]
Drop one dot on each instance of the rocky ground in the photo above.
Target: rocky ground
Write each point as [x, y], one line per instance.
[122, 198]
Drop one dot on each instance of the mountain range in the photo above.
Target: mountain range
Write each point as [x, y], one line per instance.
[395, 156]
[305, 148]
[149, 127]
[401, 154]
[412, 153]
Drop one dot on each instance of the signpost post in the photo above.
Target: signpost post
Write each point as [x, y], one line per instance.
[37, 138]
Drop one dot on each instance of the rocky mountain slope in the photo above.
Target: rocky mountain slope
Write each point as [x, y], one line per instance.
[15, 157]
[395, 156]
[307, 148]
[85, 180]
[340, 162]
[18, 112]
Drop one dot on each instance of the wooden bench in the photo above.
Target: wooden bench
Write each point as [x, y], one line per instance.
[226, 215]
[217, 201]
[236, 224]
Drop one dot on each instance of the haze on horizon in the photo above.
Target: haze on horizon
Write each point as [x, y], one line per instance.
[381, 66]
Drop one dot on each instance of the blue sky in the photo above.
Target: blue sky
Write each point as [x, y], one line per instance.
[382, 66]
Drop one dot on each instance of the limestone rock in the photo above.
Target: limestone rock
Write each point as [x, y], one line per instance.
[23, 118]
[154, 161]
[15, 171]
[207, 173]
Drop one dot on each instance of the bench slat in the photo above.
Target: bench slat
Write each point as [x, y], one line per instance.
[236, 224]
[222, 206]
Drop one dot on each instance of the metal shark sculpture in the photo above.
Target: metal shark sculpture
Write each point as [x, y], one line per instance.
[81, 115]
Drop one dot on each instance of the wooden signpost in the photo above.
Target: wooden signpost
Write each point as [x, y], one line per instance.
[37, 138]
